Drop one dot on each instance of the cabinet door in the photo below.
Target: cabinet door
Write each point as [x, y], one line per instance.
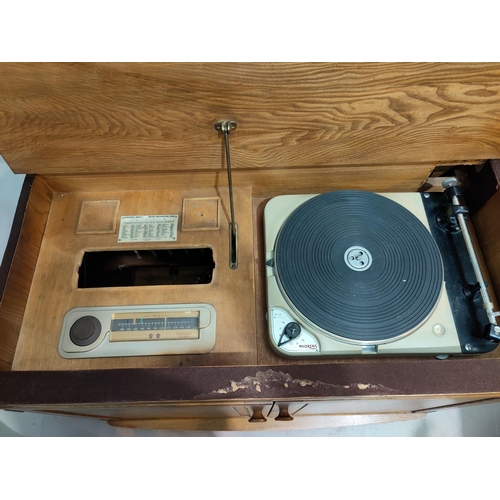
[266, 416]
[208, 416]
[371, 406]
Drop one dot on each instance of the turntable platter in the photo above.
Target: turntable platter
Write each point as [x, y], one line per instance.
[358, 265]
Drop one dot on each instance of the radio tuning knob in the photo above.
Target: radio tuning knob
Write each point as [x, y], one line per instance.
[85, 331]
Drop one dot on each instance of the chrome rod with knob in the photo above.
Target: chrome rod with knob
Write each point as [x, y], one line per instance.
[487, 304]
[225, 127]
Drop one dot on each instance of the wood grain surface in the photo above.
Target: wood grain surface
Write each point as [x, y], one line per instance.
[242, 424]
[125, 117]
[270, 409]
[487, 227]
[264, 182]
[54, 290]
[18, 286]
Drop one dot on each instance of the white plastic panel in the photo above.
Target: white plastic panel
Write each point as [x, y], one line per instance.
[149, 340]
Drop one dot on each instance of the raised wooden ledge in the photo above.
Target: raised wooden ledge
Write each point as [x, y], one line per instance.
[393, 379]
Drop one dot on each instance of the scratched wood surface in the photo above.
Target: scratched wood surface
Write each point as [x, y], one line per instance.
[17, 289]
[123, 117]
[54, 290]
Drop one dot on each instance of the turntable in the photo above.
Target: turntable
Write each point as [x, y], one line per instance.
[353, 273]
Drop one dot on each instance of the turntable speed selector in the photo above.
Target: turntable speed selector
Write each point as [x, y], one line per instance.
[85, 331]
[292, 330]
[289, 336]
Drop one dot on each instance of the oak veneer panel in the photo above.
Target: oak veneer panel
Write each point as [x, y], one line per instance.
[98, 217]
[125, 117]
[54, 290]
[264, 182]
[242, 424]
[18, 286]
[487, 227]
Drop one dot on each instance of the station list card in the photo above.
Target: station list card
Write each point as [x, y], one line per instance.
[148, 228]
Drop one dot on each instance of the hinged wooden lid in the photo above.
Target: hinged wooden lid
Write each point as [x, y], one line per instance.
[120, 117]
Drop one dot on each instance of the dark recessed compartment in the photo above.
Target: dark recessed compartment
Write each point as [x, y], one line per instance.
[190, 266]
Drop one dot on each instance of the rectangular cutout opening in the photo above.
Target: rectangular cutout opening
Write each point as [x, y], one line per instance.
[180, 266]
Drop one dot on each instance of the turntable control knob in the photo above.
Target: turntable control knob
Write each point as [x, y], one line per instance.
[85, 331]
[292, 330]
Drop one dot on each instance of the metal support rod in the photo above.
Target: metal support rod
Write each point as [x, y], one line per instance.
[487, 304]
[225, 127]
[229, 177]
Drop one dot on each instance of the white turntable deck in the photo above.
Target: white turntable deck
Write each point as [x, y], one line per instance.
[293, 334]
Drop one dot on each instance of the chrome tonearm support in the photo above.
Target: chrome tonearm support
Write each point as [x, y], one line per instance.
[453, 192]
[225, 127]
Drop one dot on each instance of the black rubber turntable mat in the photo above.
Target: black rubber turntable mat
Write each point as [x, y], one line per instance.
[358, 265]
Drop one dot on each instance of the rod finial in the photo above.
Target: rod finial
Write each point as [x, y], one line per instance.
[225, 126]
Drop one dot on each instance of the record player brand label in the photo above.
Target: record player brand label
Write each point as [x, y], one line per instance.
[140, 228]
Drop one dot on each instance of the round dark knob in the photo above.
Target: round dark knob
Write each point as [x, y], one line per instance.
[471, 291]
[292, 330]
[85, 331]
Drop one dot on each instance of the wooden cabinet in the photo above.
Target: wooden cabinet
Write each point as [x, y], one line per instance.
[141, 138]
